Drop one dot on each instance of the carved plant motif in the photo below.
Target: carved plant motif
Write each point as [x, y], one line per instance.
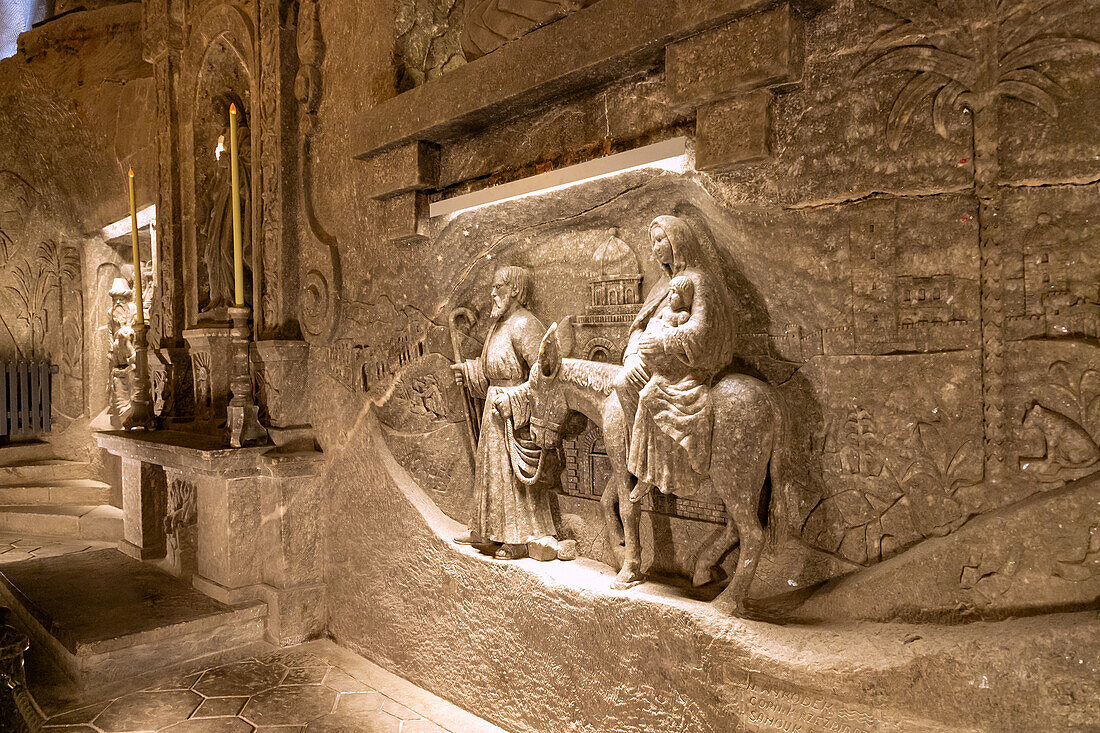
[61, 266]
[859, 454]
[182, 512]
[971, 54]
[885, 495]
[933, 479]
[202, 378]
[1078, 398]
[31, 290]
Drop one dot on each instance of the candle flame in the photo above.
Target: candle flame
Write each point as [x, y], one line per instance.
[232, 108]
[131, 173]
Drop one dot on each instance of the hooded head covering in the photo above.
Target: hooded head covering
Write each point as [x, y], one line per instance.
[685, 246]
[689, 259]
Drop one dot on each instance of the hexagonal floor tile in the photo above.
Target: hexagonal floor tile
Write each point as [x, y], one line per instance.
[239, 678]
[398, 710]
[210, 725]
[296, 705]
[147, 710]
[421, 726]
[359, 702]
[85, 714]
[220, 707]
[305, 676]
[376, 722]
[341, 681]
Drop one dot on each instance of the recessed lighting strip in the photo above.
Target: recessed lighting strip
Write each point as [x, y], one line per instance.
[668, 155]
[122, 226]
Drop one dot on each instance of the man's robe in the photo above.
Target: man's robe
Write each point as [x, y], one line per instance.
[507, 511]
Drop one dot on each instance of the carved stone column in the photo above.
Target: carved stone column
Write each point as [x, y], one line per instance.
[143, 501]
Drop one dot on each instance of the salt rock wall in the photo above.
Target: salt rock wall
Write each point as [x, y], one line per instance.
[76, 111]
[919, 283]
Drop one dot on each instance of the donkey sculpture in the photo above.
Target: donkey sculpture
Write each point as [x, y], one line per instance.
[748, 429]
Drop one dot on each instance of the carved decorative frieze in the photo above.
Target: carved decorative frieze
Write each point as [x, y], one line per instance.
[925, 43]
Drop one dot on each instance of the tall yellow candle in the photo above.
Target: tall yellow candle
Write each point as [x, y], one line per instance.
[238, 246]
[139, 306]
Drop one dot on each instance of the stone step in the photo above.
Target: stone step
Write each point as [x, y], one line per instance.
[86, 521]
[64, 491]
[103, 617]
[41, 471]
[23, 452]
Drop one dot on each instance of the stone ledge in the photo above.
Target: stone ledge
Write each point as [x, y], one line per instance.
[208, 455]
[768, 46]
[568, 56]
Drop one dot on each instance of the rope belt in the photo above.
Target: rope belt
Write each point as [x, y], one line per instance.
[523, 454]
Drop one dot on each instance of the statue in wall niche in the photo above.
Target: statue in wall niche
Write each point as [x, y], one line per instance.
[513, 478]
[671, 418]
[120, 351]
[218, 229]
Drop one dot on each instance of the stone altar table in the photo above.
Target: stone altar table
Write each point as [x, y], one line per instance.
[256, 520]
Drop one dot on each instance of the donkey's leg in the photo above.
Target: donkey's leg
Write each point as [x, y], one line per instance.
[712, 552]
[612, 522]
[732, 599]
[631, 573]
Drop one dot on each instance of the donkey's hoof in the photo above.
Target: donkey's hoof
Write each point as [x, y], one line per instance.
[702, 576]
[627, 579]
[728, 606]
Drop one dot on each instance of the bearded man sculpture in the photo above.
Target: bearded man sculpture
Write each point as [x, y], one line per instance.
[513, 477]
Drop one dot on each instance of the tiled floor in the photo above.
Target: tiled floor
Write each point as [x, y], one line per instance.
[316, 687]
[16, 546]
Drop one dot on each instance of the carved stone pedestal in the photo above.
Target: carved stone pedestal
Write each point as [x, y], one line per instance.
[280, 370]
[256, 522]
[211, 352]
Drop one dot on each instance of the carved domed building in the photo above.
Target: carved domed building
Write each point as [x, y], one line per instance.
[614, 297]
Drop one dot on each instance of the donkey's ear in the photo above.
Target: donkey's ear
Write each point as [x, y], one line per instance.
[566, 337]
[549, 354]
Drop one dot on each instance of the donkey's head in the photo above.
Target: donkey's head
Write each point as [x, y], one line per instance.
[549, 407]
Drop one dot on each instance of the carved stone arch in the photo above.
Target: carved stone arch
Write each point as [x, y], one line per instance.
[598, 344]
[219, 28]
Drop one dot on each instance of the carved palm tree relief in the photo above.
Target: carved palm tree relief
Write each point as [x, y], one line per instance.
[971, 55]
[31, 290]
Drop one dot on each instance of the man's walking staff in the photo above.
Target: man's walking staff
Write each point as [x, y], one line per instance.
[473, 426]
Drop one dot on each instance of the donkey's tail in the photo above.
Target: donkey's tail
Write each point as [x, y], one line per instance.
[778, 509]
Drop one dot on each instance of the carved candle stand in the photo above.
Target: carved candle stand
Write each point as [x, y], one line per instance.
[244, 421]
[141, 404]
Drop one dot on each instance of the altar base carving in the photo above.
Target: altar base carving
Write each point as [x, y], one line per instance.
[254, 530]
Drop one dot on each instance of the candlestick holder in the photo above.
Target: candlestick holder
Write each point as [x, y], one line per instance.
[141, 404]
[244, 421]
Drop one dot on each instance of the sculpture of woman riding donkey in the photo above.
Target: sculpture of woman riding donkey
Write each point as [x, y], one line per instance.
[671, 418]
